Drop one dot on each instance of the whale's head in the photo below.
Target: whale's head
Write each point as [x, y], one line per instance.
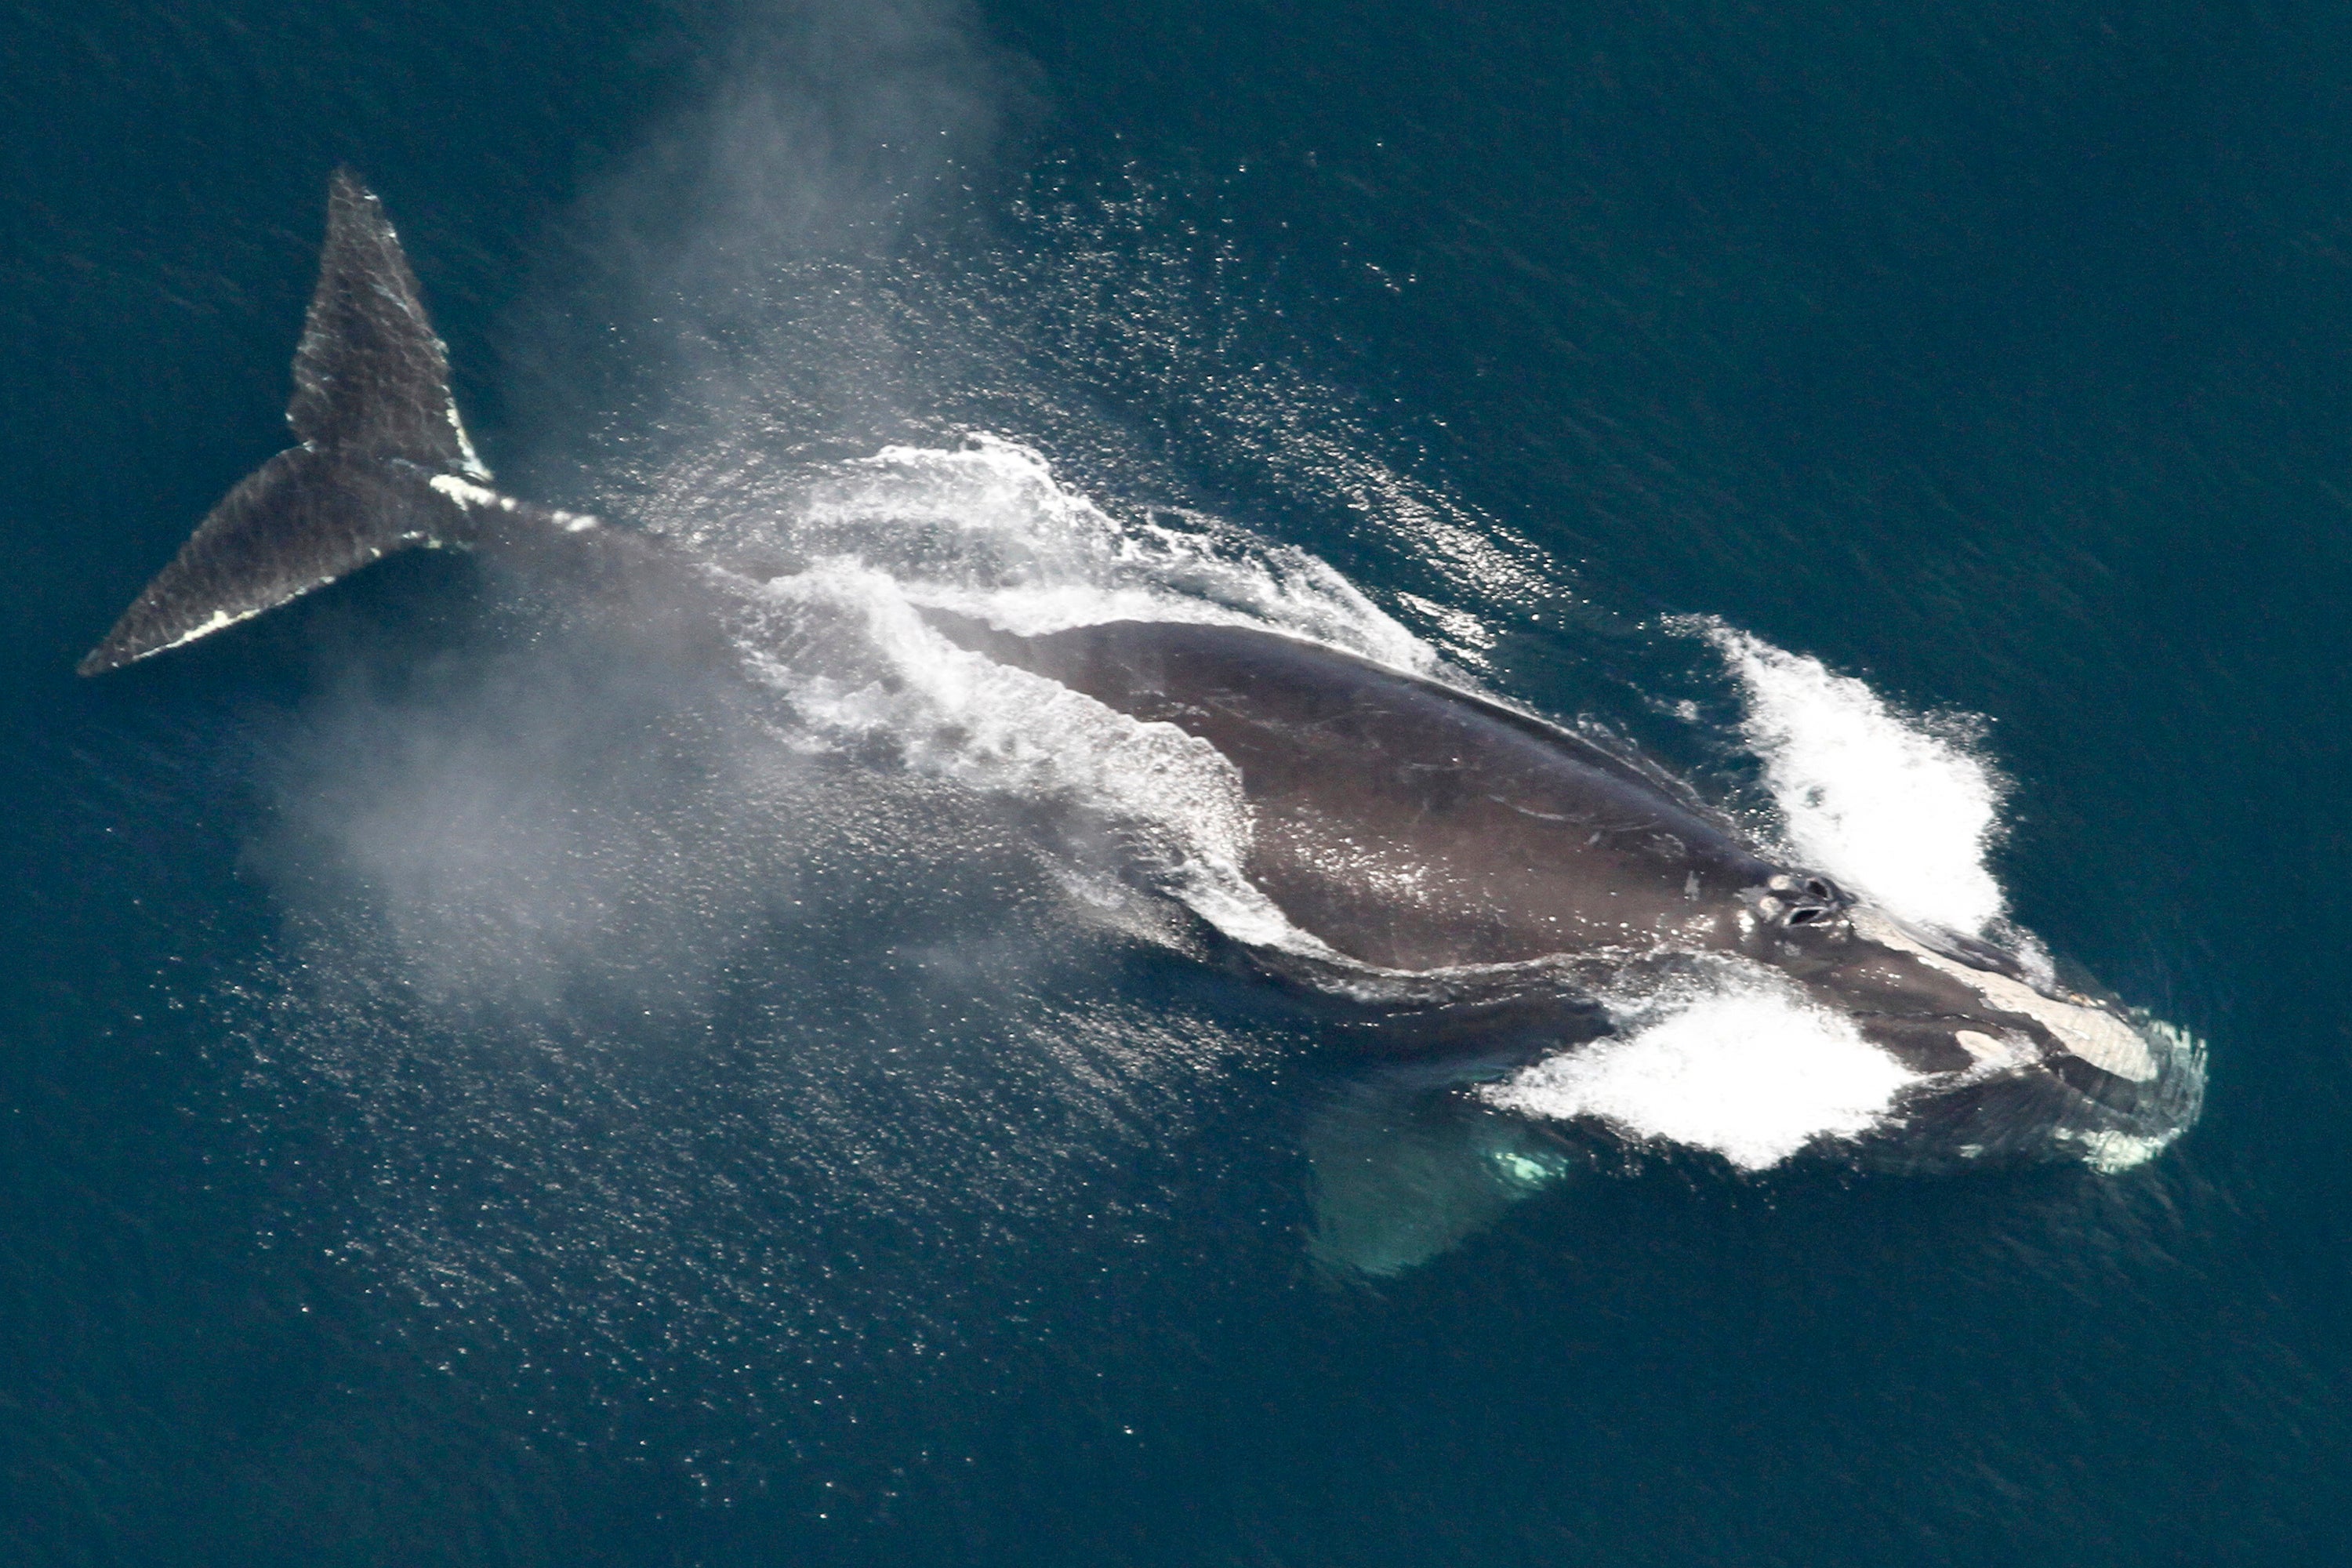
[1828, 1028]
[2012, 1061]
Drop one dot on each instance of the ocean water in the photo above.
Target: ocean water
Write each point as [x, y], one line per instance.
[478, 1086]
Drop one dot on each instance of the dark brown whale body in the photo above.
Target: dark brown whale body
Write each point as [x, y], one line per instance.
[1412, 828]
[1411, 824]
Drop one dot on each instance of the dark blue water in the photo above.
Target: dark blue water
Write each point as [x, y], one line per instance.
[465, 1101]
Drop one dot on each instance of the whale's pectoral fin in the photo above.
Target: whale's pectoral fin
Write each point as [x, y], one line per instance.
[1404, 1172]
[384, 464]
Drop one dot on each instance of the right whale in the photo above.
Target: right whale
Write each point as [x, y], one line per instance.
[1441, 846]
[1442, 859]
[1453, 863]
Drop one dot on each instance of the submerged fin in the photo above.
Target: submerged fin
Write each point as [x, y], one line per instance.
[1403, 1171]
[379, 428]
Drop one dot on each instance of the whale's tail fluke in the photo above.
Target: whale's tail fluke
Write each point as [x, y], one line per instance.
[378, 427]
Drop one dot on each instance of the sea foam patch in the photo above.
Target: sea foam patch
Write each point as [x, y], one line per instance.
[1899, 813]
[987, 531]
[1748, 1069]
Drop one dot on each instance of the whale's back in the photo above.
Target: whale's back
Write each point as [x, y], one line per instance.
[1409, 824]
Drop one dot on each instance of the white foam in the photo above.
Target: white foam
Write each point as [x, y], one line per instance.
[464, 492]
[958, 714]
[1746, 1067]
[1902, 813]
[987, 531]
[2112, 1153]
